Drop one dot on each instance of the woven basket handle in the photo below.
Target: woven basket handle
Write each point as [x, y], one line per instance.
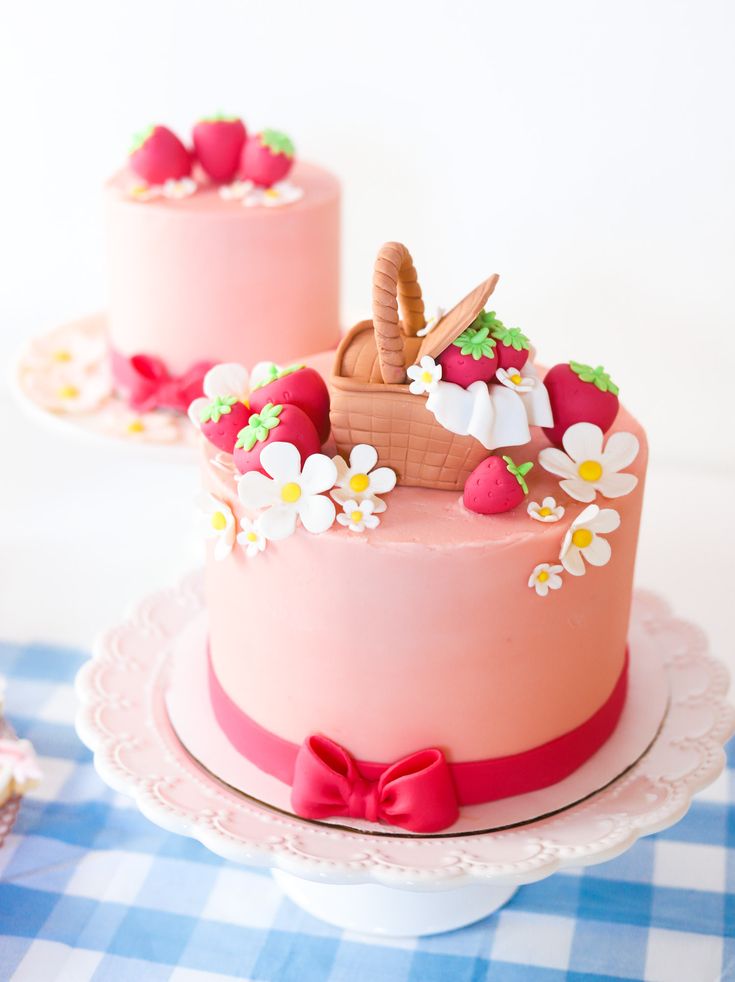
[394, 283]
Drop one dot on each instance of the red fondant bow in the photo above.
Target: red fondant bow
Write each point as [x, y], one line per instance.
[148, 384]
[415, 793]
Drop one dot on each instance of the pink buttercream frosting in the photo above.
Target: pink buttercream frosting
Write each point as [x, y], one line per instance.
[423, 632]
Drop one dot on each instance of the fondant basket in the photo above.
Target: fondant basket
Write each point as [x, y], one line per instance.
[370, 398]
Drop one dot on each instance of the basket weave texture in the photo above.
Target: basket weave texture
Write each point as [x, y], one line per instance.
[370, 398]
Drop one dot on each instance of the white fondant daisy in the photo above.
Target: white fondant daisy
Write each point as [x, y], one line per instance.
[251, 538]
[66, 349]
[358, 515]
[235, 191]
[512, 378]
[183, 188]
[587, 467]
[141, 427]
[359, 482]
[69, 391]
[227, 379]
[280, 193]
[547, 511]
[219, 524]
[584, 540]
[290, 492]
[545, 577]
[19, 771]
[425, 376]
[145, 192]
[431, 322]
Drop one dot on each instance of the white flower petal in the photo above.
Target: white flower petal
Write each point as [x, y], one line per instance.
[317, 513]
[378, 505]
[542, 588]
[572, 561]
[278, 522]
[416, 388]
[621, 449]
[255, 490]
[283, 462]
[367, 507]
[578, 489]
[228, 379]
[428, 364]
[583, 441]
[223, 546]
[554, 582]
[413, 371]
[586, 516]
[606, 520]
[598, 552]
[371, 521]
[195, 411]
[319, 474]
[382, 480]
[548, 502]
[343, 470]
[363, 458]
[556, 462]
[616, 485]
[343, 519]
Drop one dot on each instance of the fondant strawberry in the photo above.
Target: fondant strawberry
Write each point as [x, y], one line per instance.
[266, 158]
[512, 344]
[298, 386]
[158, 155]
[580, 394]
[274, 424]
[218, 143]
[496, 485]
[222, 419]
[471, 358]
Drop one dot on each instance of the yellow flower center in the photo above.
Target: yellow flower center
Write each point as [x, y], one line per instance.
[582, 538]
[218, 521]
[590, 470]
[61, 355]
[543, 576]
[270, 193]
[359, 482]
[516, 379]
[290, 492]
[427, 377]
[136, 426]
[356, 517]
[68, 392]
[544, 512]
[251, 537]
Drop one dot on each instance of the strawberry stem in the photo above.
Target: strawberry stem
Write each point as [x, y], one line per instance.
[518, 471]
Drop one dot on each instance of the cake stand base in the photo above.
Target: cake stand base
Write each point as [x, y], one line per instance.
[392, 884]
[374, 909]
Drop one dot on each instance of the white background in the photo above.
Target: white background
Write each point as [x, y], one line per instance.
[586, 152]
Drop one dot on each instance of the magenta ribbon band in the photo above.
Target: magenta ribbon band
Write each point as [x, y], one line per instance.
[420, 792]
[147, 384]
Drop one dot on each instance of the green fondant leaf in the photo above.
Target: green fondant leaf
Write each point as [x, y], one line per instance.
[511, 337]
[277, 142]
[474, 341]
[218, 407]
[219, 118]
[274, 374]
[518, 471]
[597, 376]
[259, 426]
[139, 138]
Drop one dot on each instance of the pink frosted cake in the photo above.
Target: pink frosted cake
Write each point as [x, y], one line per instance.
[404, 619]
[228, 251]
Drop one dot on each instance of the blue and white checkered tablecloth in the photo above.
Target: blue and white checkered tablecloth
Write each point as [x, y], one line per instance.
[89, 889]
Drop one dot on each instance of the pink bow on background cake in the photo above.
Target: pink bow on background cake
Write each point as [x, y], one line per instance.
[415, 793]
[148, 384]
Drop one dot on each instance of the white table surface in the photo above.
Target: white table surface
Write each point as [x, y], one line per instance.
[88, 528]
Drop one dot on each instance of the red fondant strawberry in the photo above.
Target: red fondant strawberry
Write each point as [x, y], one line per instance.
[297, 386]
[512, 344]
[274, 424]
[496, 485]
[471, 358]
[266, 158]
[580, 394]
[158, 155]
[218, 143]
[222, 419]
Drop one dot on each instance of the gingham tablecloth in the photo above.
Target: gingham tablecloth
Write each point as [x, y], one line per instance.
[89, 889]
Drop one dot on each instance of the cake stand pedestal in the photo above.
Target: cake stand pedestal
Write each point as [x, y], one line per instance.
[377, 881]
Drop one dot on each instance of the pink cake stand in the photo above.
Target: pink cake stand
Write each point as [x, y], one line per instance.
[370, 879]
